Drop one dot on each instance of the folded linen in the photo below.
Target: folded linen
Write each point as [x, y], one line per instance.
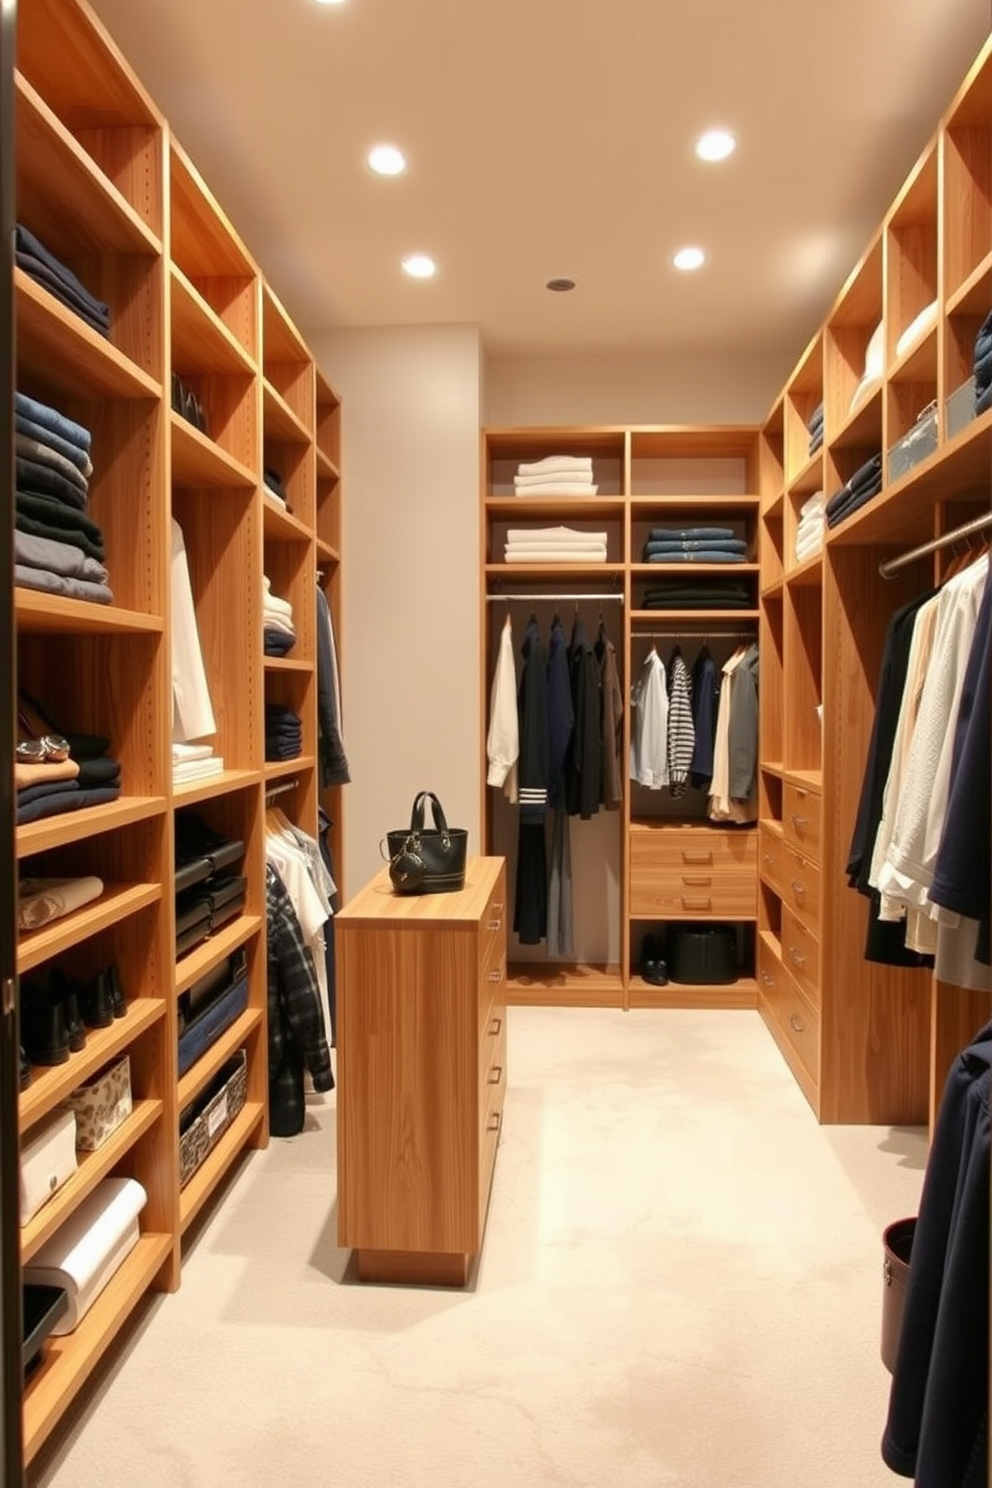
[808, 544]
[688, 534]
[554, 555]
[52, 583]
[864, 388]
[40, 792]
[75, 437]
[533, 536]
[42, 900]
[184, 772]
[42, 453]
[548, 477]
[816, 442]
[687, 545]
[813, 504]
[696, 555]
[276, 642]
[917, 329]
[278, 624]
[27, 775]
[41, 274]
[557, 488]
[44, 516]
[706, 602]
[559, 464]
[57, 558]
[103, 771]
[182, 752]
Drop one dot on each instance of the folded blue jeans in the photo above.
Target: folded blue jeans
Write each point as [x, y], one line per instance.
[76, 437]
[25, 242]
[690, 534]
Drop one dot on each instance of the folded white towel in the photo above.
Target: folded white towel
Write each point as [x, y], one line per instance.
[511, 548]
[809, 546]
[197, 770]
[561, 464]
[552, 477]
[535, 535]
[183, 752]
[555, 555]
[278, 622]
[271, 605]
[917, 329]
[816, 503]
[556, 488]
[863, 389]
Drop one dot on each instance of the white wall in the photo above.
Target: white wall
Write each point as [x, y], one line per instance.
[411, 404]
[634, 389]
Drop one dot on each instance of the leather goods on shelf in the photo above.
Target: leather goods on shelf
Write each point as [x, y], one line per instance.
[702, 954]
[897, 1242]
[206, 907]
[42, 1307]
[200, 850]
[48, 1160]
[204, 1016]
[85, 1252]
[424, 860]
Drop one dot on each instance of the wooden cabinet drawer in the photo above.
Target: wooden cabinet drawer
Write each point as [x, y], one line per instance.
[492, 930]
[693, 872]
[492, 1041]
[801, 888]
[769, 972]
[797, 1019]
[801, 955]
[802, 819]
[770, 853]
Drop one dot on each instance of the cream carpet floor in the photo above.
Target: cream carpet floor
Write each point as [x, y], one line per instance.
[681, 1284]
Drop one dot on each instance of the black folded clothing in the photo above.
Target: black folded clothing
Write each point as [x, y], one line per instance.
[41, 264]
[273, 480]
[200, 850]
[206, 906]
[95, 771]
[45, 516]
[70, 799]
[277, 642]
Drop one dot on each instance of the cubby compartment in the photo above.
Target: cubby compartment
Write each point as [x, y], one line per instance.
[507, 450]
[771, 459]
[854, 355]
[692, 463]
[296, 691]
[588, 527]
[960, 335]
[738, 518]
[841, 466]
[288, 370]
[665, 949]
[772, 690]
[770, 916]
[968, 185]
[328, 427]
[289, 569]
[803, 652]
[289, 475]
[211, 259]
[804, 395]
[911, 275]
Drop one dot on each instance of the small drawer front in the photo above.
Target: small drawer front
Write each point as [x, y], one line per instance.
[493, 926]
[700, 896]
[770, 974]
[800, 1022]
[698, 873]
[801, 889]
[693, 849]
[801, 955]
[492, 1041]
[802, 820]
[492, 971]
[492, 1072]
[770, 853]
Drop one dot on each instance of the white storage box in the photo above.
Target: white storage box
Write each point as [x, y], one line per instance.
[48, 1160]
[961, 408]
[90, 1247]
[102, 1105]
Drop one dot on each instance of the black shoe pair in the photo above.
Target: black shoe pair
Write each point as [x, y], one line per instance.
[54, 1018]
[653, 968]
[103, 999]
[186, 403]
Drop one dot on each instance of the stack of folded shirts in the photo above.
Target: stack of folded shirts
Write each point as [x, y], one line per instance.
[42, 900]
[810, 530]
[815, 427]
[86, 778]
[275, 487]
[702, 596]
[917, 329]
[554, 545]
[48, 271]
[194, 762]
[874, 364]
[694, 545]
[558, 475]
[278, 631]
[865, 483]
[57, 548]
[983, 367]
[283, 733]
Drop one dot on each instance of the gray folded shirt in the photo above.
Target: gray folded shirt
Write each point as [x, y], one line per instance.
[53, 583]
[57, 558]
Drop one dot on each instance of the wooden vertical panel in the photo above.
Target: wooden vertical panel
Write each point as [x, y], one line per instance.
[132, 159]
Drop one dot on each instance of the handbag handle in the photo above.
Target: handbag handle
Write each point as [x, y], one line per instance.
[417, 815]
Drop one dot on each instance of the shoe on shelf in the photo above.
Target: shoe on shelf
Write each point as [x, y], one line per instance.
[96, 1002]
[117, 999]
[66, 990]
[649, 957]
[43, 1028]
[659, 977]
[25, 1070]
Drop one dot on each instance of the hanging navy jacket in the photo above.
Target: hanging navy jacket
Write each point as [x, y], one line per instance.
[530, 910]
[705, 702]
[560, 715]
[584, 763]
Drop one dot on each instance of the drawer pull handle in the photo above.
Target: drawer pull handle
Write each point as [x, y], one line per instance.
[769, 858]
[800, 793]
[797, 1023]
[768, 981]
[697, 880]
[495, 1074]
[696, 857]
[494, 1027]
[799, 888]
[795, 957]
[495, 925]
[494, 1121]
[688, 903]
[799, 822]
[496, 975]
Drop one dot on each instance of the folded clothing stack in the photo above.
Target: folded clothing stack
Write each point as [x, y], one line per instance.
[554, 545]
[865, 483]
[694, 545]
[701, 596]
[45, 269]
[73, 774]
[557, 475]
[815, 427]
[42, 900]
[810, 530]
[194, 762]
[274, 486]
[57, 547]
[283, 733]
[983, 367]
[278, 631]
[208, 892]
[874, 366]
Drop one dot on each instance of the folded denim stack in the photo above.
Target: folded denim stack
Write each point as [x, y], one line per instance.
[557, 475]
[274, 486]
[194, 762]
[694, 545]
[554, 545]
[283, 733]
[983, 367]
[45, 269]
[57, 548]
[687, 596]
[278, 630]
[811, 527]
[865, 483]
[815, 427]
[57, 772]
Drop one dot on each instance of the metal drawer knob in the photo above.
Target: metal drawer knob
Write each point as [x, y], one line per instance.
[798, 1025]
[768, 981]
[494, 925]
[494, 1027]
[496, 975]
[494, 1121]
[795, 957]
[799, 822]
[495, 1074]
[799, 888]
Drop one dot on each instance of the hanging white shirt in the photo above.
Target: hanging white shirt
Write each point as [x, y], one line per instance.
[649, 738]
[503, 741]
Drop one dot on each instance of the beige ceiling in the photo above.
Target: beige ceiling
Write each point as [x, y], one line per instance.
[554, 137]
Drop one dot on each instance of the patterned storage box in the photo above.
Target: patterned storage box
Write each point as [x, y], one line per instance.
[961, 408]
[102, 1105]
[915, 446]
[203, 1124]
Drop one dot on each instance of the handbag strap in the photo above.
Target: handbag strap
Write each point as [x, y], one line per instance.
[419, 810]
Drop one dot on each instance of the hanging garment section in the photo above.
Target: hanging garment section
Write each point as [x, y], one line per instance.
[920, 849]
[553, 745]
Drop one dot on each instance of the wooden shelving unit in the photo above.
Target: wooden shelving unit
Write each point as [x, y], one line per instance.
[104, 183]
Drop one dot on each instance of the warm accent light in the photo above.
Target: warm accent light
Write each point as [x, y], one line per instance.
[715, 144]
[386, 160]
[328, 2]
[419, 266]
[689, 258]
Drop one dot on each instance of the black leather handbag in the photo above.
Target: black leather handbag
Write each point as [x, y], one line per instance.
[425, 860]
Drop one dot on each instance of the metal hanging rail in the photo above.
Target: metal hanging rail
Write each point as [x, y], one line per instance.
[891, 567]
[273, 791]
[553, 598]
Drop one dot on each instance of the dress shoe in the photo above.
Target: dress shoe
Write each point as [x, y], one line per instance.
[649, 957]
[46, 1038]
[117, 998]
[66, 990]
[96, 1002]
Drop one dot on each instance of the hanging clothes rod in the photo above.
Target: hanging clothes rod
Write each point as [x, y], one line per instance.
[889, 569]
[279, 790]
[553, 598]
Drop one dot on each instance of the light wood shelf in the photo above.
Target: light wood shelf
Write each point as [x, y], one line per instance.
[73, 826]
[861, 429]
[202, 1072]
[918, 364]
[685, 570]
[558, 509]
[93, 1166]
[217, 1162]
[201, 341]
[53, 614]
[539, 985]
[198, 461]
[808, 573]
[280, 420]
[326, 468]
[662, 619]
[69, 1361]
[189, 792]
[216, 948]
[281, 524]
[974, 295]
[69, 353]
[810, 478]
[278, 769]
[806, 779]
[554, 570]
[116, 903]
[642, 506]
[742, 994]
[326, 553]
[286, 664]
[51, 1085]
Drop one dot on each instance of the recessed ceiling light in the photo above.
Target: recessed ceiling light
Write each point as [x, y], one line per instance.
[689, 258]
[715, 144]
[328, 2]
[560, 286]
[419, 266]
[386, 160]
